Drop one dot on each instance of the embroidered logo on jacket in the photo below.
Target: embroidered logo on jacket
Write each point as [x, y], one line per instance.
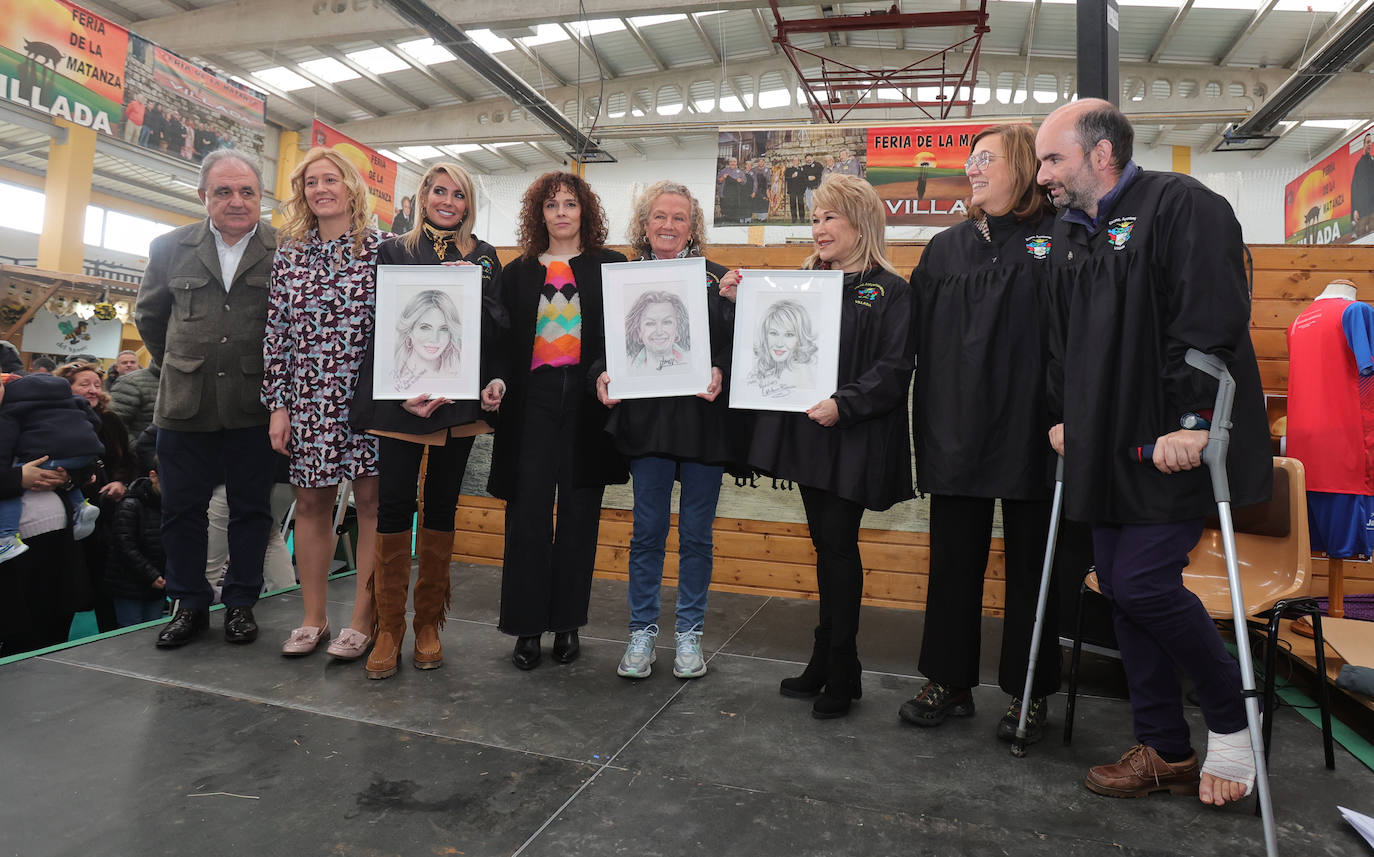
[1119, 231]
[867, 293]
[1038, 246]
[486, 263]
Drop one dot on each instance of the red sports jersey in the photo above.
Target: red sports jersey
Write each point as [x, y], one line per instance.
[1331, 396]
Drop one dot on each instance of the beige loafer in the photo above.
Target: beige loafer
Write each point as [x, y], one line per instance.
[304, 640]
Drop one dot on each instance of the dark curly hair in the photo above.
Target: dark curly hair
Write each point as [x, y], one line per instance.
[534, 233]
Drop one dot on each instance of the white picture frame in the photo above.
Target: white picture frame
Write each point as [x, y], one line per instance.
[787, 339]
[661, 301]
[419, 308]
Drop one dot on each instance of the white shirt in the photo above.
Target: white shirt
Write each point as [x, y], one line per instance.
[230, 256]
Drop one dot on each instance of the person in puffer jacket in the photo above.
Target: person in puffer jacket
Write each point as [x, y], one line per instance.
[137, 560]
[41, 419]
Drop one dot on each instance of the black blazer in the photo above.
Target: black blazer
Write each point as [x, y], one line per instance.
[597, 463]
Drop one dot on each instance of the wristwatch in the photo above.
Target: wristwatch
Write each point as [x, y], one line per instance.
[1194, 421]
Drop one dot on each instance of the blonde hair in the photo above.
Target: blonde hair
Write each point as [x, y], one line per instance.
[463, 234]
[639, 223]
[856, 201]
[298, 219]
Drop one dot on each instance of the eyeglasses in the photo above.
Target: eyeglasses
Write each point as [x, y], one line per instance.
[980, 160]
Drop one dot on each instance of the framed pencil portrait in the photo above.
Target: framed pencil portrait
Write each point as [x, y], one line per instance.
[658, 333]
[787, 339]
[428, 333]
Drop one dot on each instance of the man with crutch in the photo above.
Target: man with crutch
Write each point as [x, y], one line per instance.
[1149, 265]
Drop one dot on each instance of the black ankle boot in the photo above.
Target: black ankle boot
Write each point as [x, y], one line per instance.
[844, 686]
[526, 655]
[566, 646]
[809, 683]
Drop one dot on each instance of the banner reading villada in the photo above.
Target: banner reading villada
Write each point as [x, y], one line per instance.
[1333, 201]
[770, 176]
[62, 60]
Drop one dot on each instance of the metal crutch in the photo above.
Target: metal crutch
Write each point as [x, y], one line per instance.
[1018, 745]
[1214, 456]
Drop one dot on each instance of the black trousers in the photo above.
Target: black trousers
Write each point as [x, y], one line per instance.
[796, 202]
[400, 474]
[960, 537]
[546, 581]
[191, 464]
[834, 523]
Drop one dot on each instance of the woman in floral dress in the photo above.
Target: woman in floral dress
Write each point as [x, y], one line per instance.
[320, 319]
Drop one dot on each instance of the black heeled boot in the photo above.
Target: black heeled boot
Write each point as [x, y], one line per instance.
[809, 683]
[845, 685]
[566, 646]
[527, 654]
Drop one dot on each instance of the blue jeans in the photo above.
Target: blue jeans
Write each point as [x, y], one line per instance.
[133, 611]
[652, 479]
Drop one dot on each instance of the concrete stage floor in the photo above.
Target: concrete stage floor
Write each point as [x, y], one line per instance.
[117, 748]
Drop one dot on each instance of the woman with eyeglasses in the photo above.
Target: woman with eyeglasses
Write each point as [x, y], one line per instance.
[979, 418]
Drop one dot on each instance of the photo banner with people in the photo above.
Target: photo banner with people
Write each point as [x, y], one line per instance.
[768, 176]
[1333, 201]
[178, 108]
[62, 60]
[378, 171]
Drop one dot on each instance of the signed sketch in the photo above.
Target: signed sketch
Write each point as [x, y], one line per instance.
[785, 350]
[658, 336]
[787, 339]
[428, 331]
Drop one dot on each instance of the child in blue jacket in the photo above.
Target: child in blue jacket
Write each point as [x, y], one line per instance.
[40, 417]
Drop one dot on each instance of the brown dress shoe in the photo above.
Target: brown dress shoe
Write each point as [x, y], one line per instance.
[1141, 771]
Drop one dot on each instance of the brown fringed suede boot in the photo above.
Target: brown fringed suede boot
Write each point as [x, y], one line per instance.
[390, 581]
[435, 551]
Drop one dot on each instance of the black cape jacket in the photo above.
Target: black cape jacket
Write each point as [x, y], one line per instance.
[866, 456]
[978, 411]
[1162, 272]
[597, 461]
[687, 428]
[365, 414]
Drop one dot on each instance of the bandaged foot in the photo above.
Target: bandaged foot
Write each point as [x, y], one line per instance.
[1229, 768]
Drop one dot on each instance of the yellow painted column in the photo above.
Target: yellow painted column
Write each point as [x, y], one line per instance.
[66, 193]
[289, 155]
[577, 168]
[1183, 159]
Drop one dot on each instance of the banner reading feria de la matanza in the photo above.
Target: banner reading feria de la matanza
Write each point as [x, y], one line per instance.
[379, 171]
[771, 175]
[65, 61]
[1333, 201]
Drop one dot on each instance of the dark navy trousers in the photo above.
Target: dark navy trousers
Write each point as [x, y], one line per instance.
[1163, 629]
[190, 465]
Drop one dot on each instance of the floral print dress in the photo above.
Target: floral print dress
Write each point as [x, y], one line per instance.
[321, 311]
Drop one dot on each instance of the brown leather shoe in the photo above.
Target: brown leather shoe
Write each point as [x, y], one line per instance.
[390, 580]
[1141, 771]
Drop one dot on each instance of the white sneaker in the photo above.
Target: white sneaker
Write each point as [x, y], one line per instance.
[83, 522]
[688, 663]
[11, 547]
[639, 656]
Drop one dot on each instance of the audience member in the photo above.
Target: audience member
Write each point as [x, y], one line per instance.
[136, 563]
